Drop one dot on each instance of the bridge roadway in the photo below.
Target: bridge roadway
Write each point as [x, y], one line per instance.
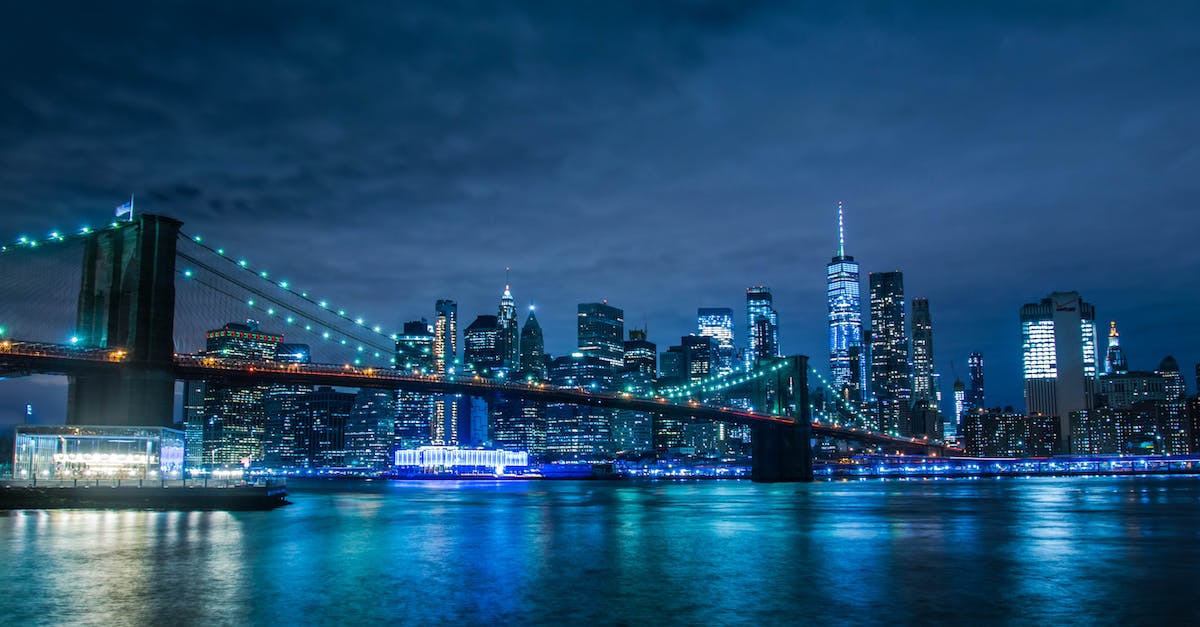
[18, 357]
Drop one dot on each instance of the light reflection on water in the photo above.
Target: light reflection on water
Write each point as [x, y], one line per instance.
[998, 551]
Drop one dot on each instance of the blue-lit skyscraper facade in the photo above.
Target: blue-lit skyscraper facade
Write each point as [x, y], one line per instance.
[1058, 337]
[762, 325]
[717, 323]
[845, 320]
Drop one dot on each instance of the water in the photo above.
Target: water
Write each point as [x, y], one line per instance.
[1100, 550]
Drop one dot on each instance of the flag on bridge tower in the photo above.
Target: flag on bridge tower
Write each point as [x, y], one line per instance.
[126, 210]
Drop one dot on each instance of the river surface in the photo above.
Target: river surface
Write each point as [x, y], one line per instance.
[1099, 550]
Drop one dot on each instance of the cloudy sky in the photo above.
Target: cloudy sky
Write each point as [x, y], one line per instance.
[662, 156]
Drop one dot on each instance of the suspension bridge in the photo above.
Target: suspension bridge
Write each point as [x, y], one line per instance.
[122, 361]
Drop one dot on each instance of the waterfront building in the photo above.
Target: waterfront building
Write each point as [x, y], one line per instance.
[762, 325]
[71, 452]
[369, 430]
[975, 394]
[328, 411]
[1007, 433]
[414, 410]
[672, 371]
[444, 427]
[194, 422]
[234, 418]
[286, 436]
[846, 366]
[449, 459]
[1058, 337]
[601, 333]
[717, 323]
[890, 374]
[533, 352]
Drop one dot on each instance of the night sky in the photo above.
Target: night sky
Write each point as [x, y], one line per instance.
[663, 156]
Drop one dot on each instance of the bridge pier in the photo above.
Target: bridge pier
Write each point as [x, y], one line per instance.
[127, 302]
[783, 452]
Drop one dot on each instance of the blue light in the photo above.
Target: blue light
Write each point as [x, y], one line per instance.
[74, 339]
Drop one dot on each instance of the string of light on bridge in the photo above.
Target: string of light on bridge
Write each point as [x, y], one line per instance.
[358, 322]
[24, 242]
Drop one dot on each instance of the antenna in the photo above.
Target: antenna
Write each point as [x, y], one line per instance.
[841, 232]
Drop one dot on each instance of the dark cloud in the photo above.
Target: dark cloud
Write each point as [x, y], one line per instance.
[660, 155]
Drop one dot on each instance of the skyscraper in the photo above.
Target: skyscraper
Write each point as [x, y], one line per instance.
[717, 323]
[762, 325]
[975, 398]
[633, 430]
[924, 386]
[414, 410]
[602, 333]
[329, 410]
[845, 319]
[234, 415]
[506, 324]
[1114, 358]
[285, 440]
[640, 354]
[533, 353]
[483, 347]
[1058, 337]
[444, 429]
[960, 401]
[369, 429]
[890, 376]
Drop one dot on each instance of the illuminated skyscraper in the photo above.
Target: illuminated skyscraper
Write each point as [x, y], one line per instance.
[329, 410]
[414, 410]
[960, 401]
[506, 324]
[845, 319]
[369, 429]
[1058, 337]
[444, 429]
[234, 415]
[717, 323]
[924, 386]
[975, 397]
[483, 349]
[602, 333]
[285, 439]
[762, 325]
[890, 374]
[1114, 359]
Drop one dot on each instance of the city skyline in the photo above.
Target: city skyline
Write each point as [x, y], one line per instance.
[975, 206]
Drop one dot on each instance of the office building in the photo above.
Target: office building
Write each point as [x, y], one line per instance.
[286, 438]
[601, 333]
[975, 396]
[1058, 337]
[533, 353]
[444, 428]
[846, 366]
[1114, 358]
[506, 325]
[370, 429]
[1008, 434]
[762, 325]
[234, 417]
[329, 410]
[717, 323]
[890, 374]
[924, 387]
[574, 431]
[483, 350]
[414, 410]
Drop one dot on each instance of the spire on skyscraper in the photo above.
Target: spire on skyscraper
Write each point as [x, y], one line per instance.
[841, 232]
